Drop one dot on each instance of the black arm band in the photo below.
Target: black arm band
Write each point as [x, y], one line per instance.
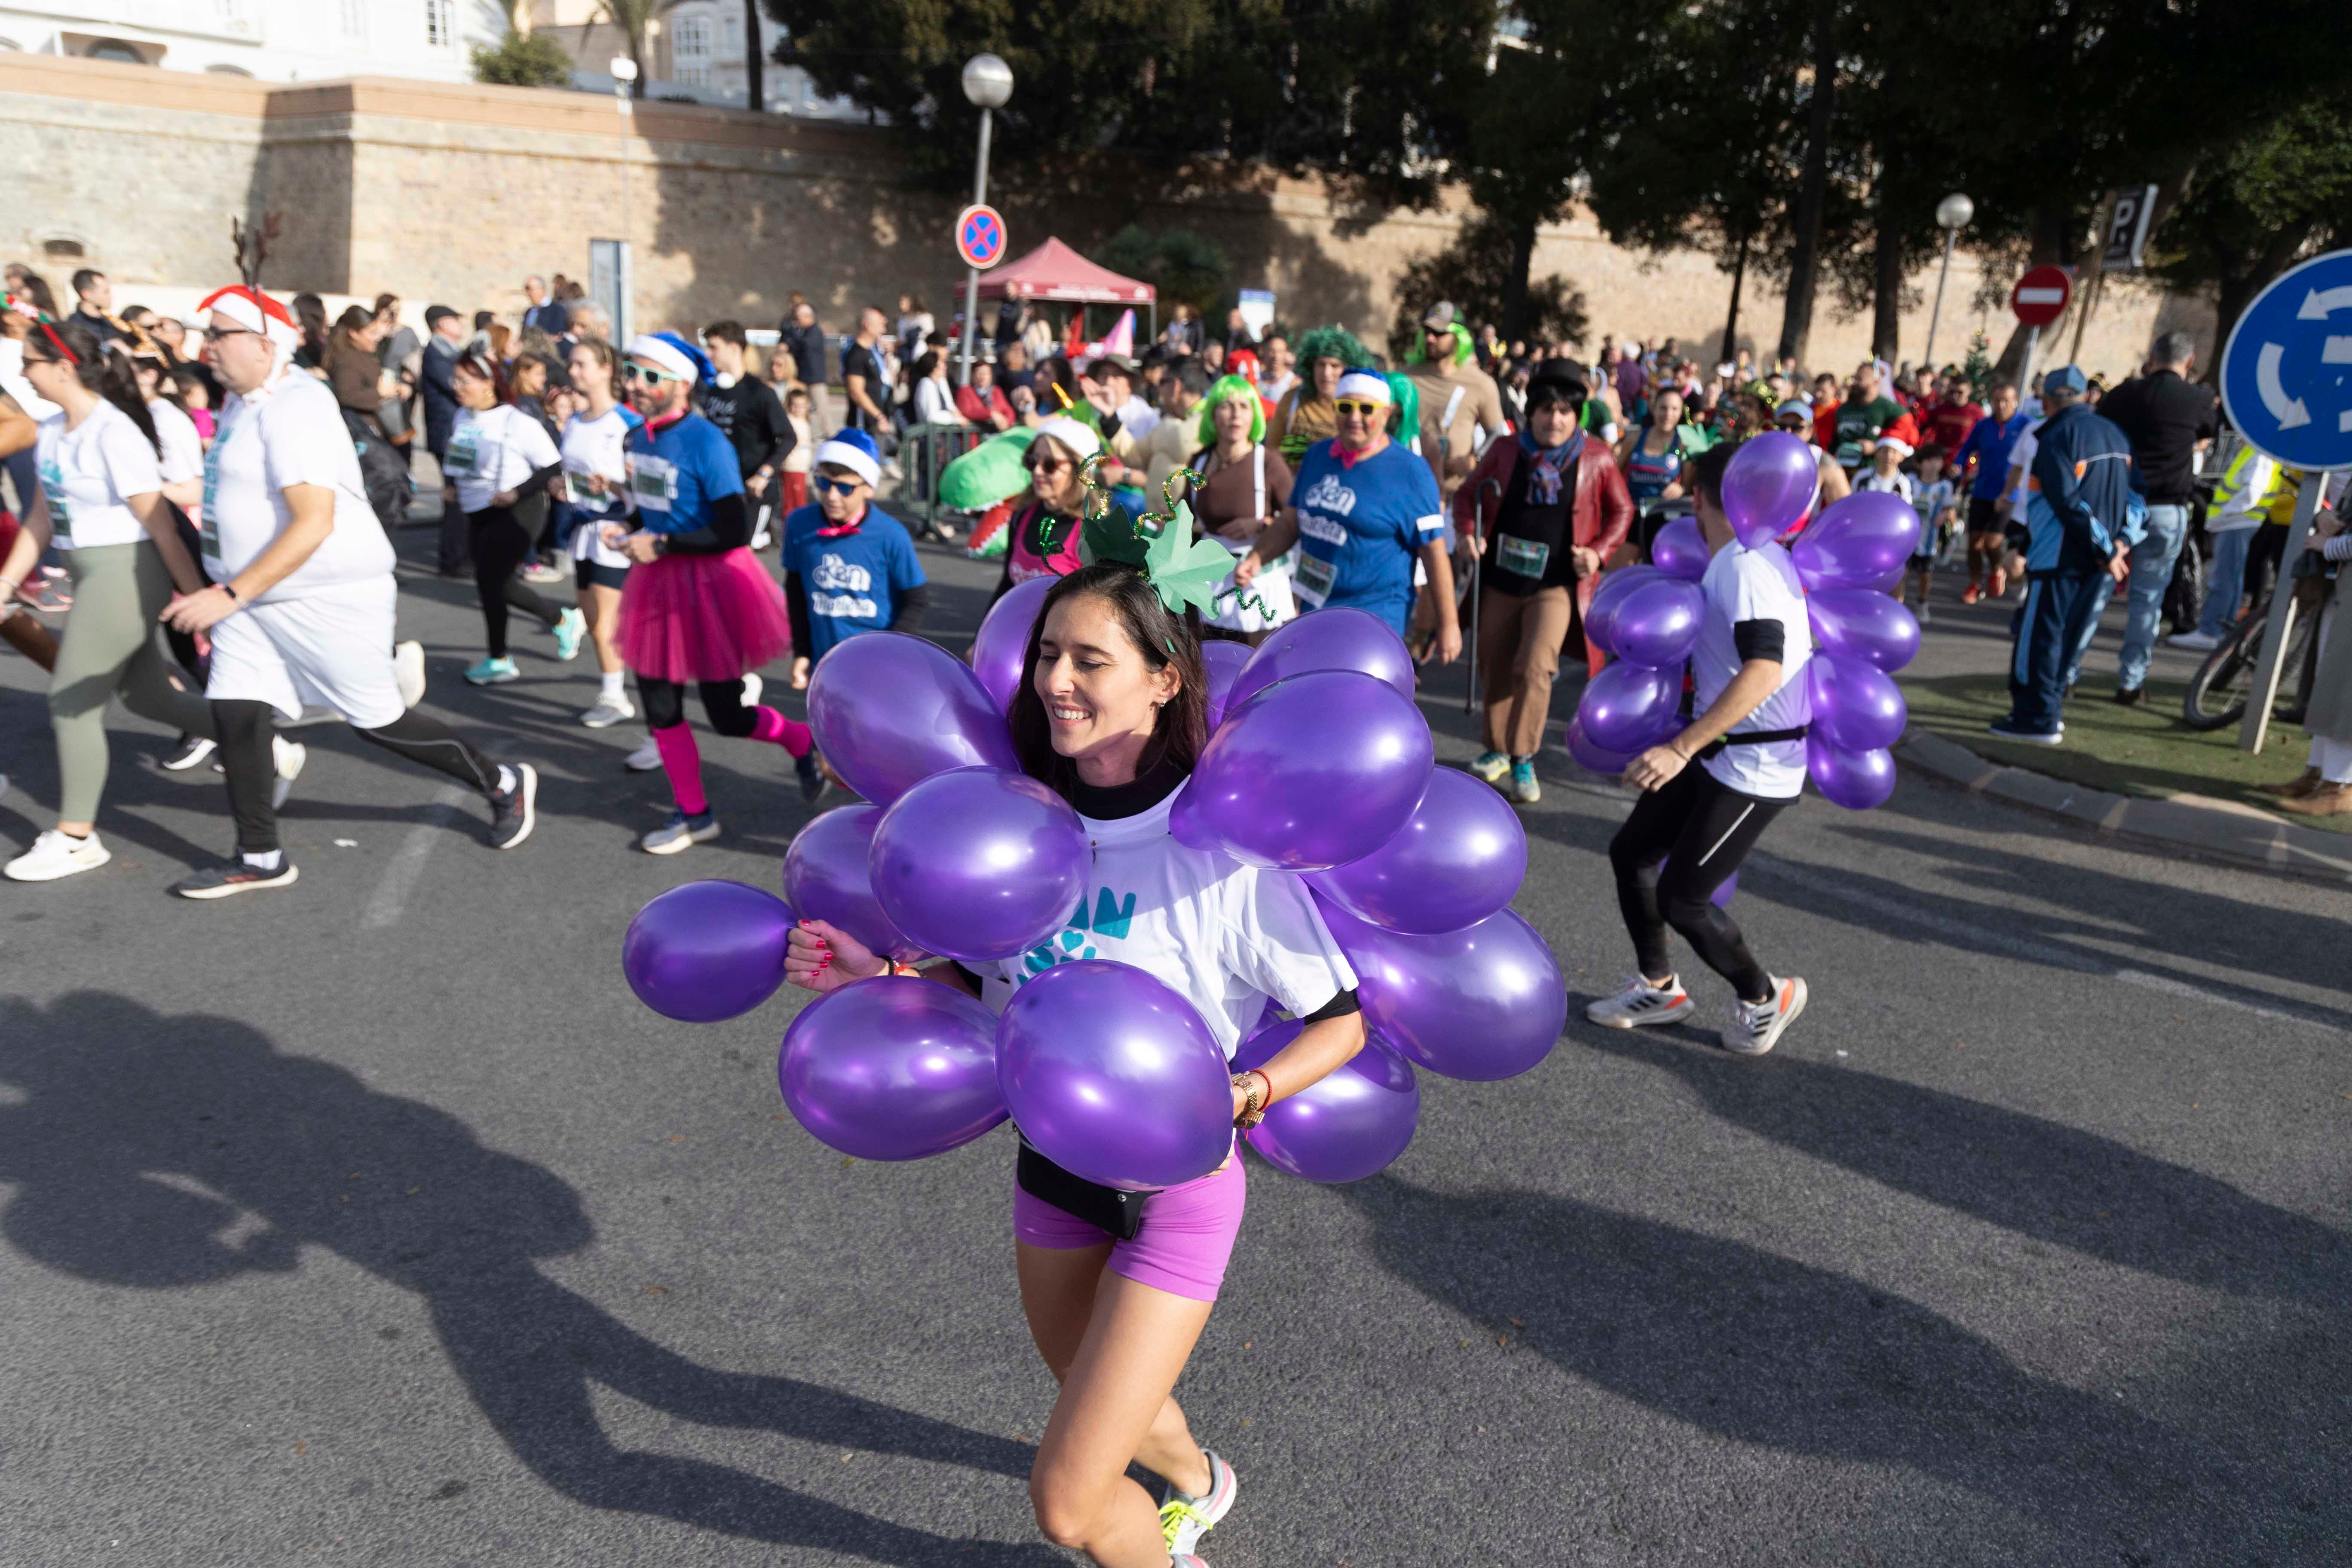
[537, 481]
[728, 529]
[912, 603]
[796, 606]
[1340, 1006]
[968, 974]
[1760, 640]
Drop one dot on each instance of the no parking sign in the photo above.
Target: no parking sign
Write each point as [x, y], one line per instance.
[980, 235]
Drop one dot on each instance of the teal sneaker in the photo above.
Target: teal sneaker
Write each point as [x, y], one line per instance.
[494, 672]
[570, 628]
[1523, 788]
[1491, 766]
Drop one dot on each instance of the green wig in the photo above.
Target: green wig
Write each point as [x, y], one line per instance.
[1465, 351]
[1223, 388]
[1407, 401]
[1334, 341]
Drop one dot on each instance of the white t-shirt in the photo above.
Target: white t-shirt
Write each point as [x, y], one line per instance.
[1896, 484]
[288, 432]
[184, 449]
[89, 475]
[1759, 585]
[495, 450]
[13, 382]
[598, 446]
[1225, 935]
[2021, 457]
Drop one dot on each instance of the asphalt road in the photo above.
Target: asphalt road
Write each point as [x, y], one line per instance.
[374, 1221]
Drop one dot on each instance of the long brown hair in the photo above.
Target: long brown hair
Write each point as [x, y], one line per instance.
[1182, 728]
[601, 352]
[110, 376]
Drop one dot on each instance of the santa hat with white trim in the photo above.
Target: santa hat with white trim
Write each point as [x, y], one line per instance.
[256, 312]
[854, 450]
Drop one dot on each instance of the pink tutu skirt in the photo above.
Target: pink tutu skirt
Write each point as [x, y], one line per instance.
[702, 617]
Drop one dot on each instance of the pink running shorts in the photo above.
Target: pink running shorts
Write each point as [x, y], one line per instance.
[1186, 1238]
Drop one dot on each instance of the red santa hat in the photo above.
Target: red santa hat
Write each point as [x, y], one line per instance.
[256, 312]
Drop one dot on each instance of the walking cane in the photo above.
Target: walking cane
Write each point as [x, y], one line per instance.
[1477, 563]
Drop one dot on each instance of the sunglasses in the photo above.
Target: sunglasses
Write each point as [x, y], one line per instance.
[648, 374]
[826, 487]
[1794, 422]
[1364, 406]
[1048, 465]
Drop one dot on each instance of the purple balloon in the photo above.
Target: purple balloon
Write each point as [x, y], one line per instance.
[1854, 780]
[1856, 705]
[706, 950]
[828, 877]
[1599, 617]
[1114, 1076]
[1313, 772]
[1348, 1125]
[1864, 623]
[1000, 646]
[1629, 707]
[979, 864]
[1861, 542]
[1680, 549]
[1769, 486]
[1336, 638]
[892, 1068]
[1461, 857]
[1222, 660]
[1484, 1002]
[1598, 759]
[1657, 624]
[889, 710]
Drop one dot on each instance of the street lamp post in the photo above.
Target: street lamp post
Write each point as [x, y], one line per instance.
[988, 84]
[1953, 214]
[625, 76]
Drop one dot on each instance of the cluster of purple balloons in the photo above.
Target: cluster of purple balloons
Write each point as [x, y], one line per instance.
[1844, 562]
[1319, 764]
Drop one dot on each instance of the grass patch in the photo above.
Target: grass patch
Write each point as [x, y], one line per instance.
[2142, 750]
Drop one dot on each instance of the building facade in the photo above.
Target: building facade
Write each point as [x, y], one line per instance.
[269, 41]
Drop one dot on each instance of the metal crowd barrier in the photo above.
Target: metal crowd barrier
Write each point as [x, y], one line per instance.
[924, 450]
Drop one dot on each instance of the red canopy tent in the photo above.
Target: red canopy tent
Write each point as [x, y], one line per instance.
[1055, 272]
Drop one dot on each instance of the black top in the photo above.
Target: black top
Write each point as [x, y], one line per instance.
[2165, 416]
[752, 420]
[807, 344]
[1525, 530]
[864, 363]
[1131, 799]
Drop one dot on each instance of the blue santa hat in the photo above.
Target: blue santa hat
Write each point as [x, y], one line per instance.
[854, 450]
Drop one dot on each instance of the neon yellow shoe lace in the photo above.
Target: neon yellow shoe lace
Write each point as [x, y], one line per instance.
[1173, 1516]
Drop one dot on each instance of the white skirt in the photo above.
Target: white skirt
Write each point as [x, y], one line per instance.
[1266, 603]
[332, 648]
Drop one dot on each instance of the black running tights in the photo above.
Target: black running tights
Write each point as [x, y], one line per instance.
[247, 758]
[501, 538]
[722, 704]
[1698, 831]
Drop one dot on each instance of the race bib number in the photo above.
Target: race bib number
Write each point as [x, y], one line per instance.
[465, 458]
[576, 490]
[1523, 557]
[1314, 578]
[52, 491]
[653, 481]
[1321, 529]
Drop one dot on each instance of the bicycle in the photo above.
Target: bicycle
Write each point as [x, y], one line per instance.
[2219, 690]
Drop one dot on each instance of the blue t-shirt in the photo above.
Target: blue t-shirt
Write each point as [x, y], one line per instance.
[1361, 527]
[674, 475]
[853, 580]
[1989, 442]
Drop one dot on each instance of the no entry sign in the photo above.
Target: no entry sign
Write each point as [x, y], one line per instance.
[980, 236]
[2039, 296]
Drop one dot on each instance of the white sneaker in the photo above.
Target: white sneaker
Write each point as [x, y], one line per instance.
[54, 854]
[1641, 1004]
[608, 711]
[408, 672]
[752, 687]
[194, 749]
[289, 756]
[1756, 1025]
[1184, 1519]
[679, 833]
[644, 759]
[762, 539]
[2197, 640]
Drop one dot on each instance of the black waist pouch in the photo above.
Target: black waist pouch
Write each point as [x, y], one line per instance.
[1106, 1208]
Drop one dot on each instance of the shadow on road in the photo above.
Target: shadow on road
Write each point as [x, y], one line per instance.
[1764, 1350]
[159, 1153]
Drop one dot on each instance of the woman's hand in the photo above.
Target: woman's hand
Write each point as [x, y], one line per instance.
[1245, 569]
[642, 547]
[503, 499]
[614, 534]
[820, 957]
[199, 611]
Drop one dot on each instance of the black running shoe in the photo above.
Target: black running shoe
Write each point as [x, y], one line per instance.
[231, 877]
[192, 750]
[514, 812]
[810, 768]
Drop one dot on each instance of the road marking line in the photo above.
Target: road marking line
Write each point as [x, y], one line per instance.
[407, 865]
[2038, 952]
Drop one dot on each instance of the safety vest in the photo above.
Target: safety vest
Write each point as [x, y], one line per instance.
[2253, 489]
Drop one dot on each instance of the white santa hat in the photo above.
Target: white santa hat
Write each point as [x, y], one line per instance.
[1081, 439]
[256, 312]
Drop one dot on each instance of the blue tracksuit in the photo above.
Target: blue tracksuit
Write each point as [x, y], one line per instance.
[2079, 498]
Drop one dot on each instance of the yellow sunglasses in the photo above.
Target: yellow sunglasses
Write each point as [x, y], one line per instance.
[1364, 406]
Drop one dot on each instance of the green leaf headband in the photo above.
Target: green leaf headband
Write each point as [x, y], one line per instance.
[1182, 570]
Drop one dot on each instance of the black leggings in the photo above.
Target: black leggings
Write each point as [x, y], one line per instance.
[722, 704]
[1704, 829]
[246, 730]
[502, 537]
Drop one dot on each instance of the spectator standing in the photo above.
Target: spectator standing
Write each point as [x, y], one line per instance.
[751, 416]
[1012, 371]
[436, 385]
[1177, 434]
[865, 377]
[2251, 493]
[1280, 365]
[2326, 787]
[2079, 496]
[1183, 333]
[934, 400]
[980, 401]
[549, 316]
[94, 307]
[356, 375]
[2168, 419]
[1986, 454]
[1237, 332]
[915, 325]
[793, 479]
[800, 333]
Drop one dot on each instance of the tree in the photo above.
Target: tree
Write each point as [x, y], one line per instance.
[755, 60]
[1819, 90]
[523, 60]
[1475, 272]
[634, 19]
[1178, 263]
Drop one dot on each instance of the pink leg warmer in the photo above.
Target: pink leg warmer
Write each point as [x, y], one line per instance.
[773, 727]
[682, 761]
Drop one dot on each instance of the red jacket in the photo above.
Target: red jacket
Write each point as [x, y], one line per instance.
[1601, 518]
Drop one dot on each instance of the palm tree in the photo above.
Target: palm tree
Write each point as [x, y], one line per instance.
[633, 18]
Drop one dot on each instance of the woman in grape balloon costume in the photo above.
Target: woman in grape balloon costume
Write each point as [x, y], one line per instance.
[699, 606]
[1790, 650]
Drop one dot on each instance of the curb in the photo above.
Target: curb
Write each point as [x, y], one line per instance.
[2182, 825]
